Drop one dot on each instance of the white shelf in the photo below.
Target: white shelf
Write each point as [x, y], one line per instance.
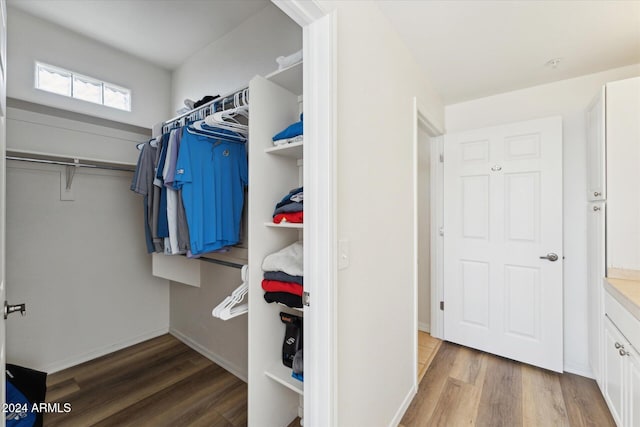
[282, 375]
[289, 78]
[285, 225]
[293, 150]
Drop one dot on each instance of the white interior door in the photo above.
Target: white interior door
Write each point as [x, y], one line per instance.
[502, 213]
[3, 112]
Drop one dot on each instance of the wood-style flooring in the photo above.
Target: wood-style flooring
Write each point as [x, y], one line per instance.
[162, 382]
[466, 387]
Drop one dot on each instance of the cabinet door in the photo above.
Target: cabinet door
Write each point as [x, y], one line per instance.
[633, 388]
[623, 174]
[596, 186]
[595, 274]
[613, 371]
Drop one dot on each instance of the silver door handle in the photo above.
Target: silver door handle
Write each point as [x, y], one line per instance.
[596, 193]
[596, 208]
[551, 257]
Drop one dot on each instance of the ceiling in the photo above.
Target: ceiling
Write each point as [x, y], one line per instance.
[468, 49]
[148, 29]
[472, 49]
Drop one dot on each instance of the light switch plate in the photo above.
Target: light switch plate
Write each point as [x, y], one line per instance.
[343, 254]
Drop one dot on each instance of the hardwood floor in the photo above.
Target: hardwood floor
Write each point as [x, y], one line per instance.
[466, 387]
[427, 349]
[160, 382]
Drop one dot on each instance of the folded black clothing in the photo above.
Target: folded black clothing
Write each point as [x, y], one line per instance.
[290, 300]
[281, 276]
[204, 100]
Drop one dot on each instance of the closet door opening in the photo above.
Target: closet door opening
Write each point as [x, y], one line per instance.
[426, 242]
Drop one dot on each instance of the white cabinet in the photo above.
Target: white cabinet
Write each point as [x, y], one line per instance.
[623, 176]
[595, 273]
[614, 370]
[621, 377]
[596, 158]
[621, 363]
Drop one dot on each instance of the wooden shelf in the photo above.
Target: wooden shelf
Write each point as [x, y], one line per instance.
[285, 225]
[282, 375]
[289, 78]
[293, 150]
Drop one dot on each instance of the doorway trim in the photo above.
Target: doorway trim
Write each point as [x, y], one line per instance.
[421, 121]
[320, 230]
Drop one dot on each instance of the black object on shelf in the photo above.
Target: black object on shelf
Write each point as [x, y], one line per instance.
[292, 337]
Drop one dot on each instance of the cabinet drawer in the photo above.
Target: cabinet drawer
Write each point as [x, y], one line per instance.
[624, 321]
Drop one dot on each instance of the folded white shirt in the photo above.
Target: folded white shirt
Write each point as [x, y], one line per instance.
[288, 260]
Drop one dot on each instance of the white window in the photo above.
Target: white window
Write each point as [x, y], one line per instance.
[74, 85]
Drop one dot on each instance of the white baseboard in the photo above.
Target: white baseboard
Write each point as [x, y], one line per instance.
[582, 370]
[99, 352]
[227, 365]
[424, 327]
[403, 408]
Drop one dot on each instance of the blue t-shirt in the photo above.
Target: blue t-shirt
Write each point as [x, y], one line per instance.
[212, 175]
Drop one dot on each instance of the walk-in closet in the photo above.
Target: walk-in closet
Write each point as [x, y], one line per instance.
[87, 258]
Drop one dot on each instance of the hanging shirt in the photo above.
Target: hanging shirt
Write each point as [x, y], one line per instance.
[168, 173]
[163, 224]
[142, 183]
[212, 175]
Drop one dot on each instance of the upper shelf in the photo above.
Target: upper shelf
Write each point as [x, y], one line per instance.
[289, 78]
[293, 150]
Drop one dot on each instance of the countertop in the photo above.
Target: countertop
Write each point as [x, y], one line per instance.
[626, 292]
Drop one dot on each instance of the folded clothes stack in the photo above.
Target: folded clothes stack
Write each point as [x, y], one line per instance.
[283, 276]
[292, 133]
[290, 208]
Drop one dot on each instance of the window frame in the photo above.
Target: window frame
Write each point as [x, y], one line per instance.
[73, 76]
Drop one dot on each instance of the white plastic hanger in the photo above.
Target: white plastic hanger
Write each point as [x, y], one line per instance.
[228, 308]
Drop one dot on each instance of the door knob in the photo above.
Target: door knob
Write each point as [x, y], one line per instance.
[550, 256]
[596, 208]
[596, 193]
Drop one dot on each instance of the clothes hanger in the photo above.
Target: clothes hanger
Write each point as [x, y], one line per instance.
[229, 308]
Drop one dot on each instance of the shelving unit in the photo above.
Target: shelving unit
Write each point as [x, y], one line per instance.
[282, 375]
[293, 150]
[274, 395]
[285, 225]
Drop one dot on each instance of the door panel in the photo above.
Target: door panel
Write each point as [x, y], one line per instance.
[3, 93]
[503, 210]
[613, 371]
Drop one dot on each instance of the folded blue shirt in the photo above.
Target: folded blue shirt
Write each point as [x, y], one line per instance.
[290, 132]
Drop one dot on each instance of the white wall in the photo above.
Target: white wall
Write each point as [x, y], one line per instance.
[80, 266]
[31, 39]
[230, 62]
[377, 80]
[568, 98]
[223, 341]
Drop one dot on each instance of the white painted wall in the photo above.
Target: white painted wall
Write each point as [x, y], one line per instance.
[30, 39]
[377, 80]
[231, 61]
[568, 98]
[80, 266]
[225, 342]
[424, 231]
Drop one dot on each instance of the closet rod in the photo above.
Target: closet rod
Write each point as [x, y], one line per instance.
[80, 165]
[188, 113]
[225, 263]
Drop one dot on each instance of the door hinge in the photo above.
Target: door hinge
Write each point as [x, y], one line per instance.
[305, 298]
[441, 158]
[442, 305]
[441, 231]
